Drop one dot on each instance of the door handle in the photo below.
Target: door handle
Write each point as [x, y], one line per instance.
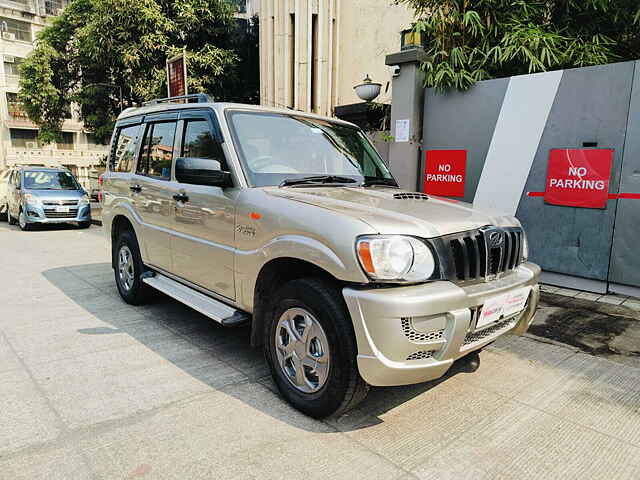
[135, 188]
[181, 197]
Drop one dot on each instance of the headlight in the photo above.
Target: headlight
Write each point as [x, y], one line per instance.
[395, 258]
[32, 199]
[84, 200]
[525, 247]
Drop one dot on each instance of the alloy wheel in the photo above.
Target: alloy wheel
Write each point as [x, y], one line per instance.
[126, 270]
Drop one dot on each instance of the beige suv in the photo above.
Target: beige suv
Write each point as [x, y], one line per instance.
[293, 223]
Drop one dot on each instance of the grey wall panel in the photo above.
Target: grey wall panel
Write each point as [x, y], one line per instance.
[625, 258]
[464, 120]
[592, 105]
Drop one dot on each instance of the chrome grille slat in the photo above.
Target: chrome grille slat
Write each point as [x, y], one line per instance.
[52, 213]
[469, 258]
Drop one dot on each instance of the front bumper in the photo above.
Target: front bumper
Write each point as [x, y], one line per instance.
[37, 214]
[413, 334]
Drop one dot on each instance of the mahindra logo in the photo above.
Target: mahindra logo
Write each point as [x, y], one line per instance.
[495, 239]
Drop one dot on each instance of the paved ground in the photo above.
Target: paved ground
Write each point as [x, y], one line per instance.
[93, 388]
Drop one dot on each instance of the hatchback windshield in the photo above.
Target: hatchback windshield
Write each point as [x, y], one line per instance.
[278, 147]
[40, 180]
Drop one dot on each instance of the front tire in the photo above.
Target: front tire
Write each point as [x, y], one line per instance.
[22, 221]
[128, 269]
[311, 348]
[84, 224]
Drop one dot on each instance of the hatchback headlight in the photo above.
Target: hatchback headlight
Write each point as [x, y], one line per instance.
[32, 199]
[395, 258]
[84, 200]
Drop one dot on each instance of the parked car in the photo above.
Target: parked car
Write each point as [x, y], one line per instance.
[292, 222]
[38, 195]
[4, 176]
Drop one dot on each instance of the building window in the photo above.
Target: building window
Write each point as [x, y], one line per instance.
[16, 30]
[24, 138]
[66, 143]
[14, 106]
[54, 7]
[11, 65]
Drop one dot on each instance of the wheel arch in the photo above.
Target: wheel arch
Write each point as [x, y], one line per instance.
[119, 224]
[272, 275]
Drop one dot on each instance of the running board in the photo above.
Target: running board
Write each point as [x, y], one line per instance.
[210, 307]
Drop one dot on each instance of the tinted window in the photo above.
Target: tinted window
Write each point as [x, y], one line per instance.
[198, 142]
[157, 150]
[125, 149]
[38, 180]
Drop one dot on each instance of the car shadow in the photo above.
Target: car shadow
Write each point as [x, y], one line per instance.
[231, 346]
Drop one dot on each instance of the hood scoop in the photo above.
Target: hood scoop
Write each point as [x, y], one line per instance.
[410, 196]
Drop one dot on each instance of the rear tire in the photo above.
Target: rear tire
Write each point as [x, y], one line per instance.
[317, 305]
[128, 269]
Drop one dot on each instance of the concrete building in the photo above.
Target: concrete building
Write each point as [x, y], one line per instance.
[20, 21]
[313, 52]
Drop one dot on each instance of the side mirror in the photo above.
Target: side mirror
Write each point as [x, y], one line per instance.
[202, 171]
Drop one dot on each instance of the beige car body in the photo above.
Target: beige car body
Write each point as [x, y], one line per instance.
[226, 241]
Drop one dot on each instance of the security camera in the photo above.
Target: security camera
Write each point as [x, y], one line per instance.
[394, 70]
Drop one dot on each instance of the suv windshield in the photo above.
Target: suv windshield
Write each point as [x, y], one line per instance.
[276, 148]
[40, 180]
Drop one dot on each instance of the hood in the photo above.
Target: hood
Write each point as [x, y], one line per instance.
[57, 194]
[393, 211]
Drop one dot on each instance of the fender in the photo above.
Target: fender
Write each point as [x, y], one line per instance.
[124, 209]
[249, 263]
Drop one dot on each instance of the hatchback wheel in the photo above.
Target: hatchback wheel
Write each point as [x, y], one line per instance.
[22, 221]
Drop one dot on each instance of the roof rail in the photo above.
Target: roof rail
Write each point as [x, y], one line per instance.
[197, 97]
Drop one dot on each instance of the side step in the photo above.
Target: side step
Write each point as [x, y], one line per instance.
[212, 308]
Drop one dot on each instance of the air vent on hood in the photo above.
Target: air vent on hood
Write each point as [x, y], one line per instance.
[410, 196]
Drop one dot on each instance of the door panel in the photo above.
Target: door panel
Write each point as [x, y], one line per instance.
[152, 191]
[625, 261]
[203, 237]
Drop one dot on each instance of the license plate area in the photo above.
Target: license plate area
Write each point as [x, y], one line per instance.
[63, 209]
[502, 306]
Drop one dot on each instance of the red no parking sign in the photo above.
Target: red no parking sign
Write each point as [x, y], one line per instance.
[579, 177]
[444, 172]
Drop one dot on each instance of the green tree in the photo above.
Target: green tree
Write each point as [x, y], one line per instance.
[126, 44]
[472, 40]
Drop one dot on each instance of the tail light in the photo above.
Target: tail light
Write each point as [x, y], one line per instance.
[100, 179]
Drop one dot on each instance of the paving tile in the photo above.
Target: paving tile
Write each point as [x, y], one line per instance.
[520, 442]
[509, 365]
[25, 417]
[409, 424]
[244, 431]
[593, 392]
[633, 304]
[57, 464]
[121, 382]
[588, 296]
[612, 299]
[566, 292]
[8, 359]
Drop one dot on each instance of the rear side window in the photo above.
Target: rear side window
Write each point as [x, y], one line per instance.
[199, 142]
[157, 150]
[125, 148]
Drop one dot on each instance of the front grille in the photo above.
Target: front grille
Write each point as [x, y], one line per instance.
[473, 255]
[51, 213]
[60, 202]
[475, 337]
[410, 196]
[419, 337]
[422, 355]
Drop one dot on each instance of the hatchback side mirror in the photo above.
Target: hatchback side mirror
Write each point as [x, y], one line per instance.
[202, 171]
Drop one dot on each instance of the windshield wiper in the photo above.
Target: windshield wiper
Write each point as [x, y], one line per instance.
[321, 179]
[389, 182]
